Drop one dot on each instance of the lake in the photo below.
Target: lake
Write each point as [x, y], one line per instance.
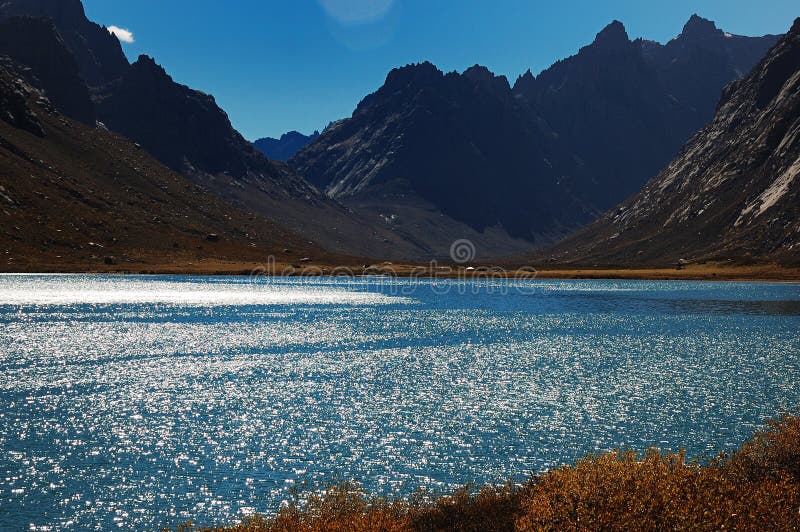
[139, 402]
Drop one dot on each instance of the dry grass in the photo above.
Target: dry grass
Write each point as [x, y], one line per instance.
[756, 488]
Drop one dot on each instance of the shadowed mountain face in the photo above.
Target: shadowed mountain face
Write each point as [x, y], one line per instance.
[734, 190]
[98, 53]
[610, 110]
[14, 94]
[186, 130]
[461, 142]
[695, 66]
[36, 43]
[538, 159]
[182, 127]
[283, 148]
[624, 107]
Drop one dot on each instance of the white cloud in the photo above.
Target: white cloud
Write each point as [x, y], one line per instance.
[121, 34]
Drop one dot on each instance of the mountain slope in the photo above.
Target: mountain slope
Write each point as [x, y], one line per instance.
[283, 148]
[182, 127]
[732, 193]
[80, 196]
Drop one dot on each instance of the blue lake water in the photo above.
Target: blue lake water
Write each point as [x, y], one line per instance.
[132, 403]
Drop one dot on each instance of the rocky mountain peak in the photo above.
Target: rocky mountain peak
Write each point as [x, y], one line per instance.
[484, 76]
[283, 148]
[612, 36]
[412, 74]
[146, 65]
[700, 28]
[479, 73]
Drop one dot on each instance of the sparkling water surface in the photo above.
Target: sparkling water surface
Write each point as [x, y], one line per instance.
[133, 403]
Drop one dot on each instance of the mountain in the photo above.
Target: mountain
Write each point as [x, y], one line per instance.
[624, 108]
[532, 162]
[97, 52]
[183, 128]
[430, 148]
[732, 193]
[78, 197]
[283, 148]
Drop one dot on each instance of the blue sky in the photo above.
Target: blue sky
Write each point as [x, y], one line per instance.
[279, 65]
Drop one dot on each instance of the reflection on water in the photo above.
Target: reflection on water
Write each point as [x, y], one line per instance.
[135, 403]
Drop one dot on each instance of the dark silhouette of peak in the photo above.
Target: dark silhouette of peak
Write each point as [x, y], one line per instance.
[626, 108]
[97, 52]
[479, 73]
[695, 66]
[524, 82]
[68, 13]
[98, 187]
[487, 78]
[700, 28]
[414, 73]
[145, 67]
[612, 36]
[424, 135]
[563, 145]
[182, 127]
[144, 61]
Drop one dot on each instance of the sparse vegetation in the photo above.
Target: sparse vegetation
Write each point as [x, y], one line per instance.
[755, 488]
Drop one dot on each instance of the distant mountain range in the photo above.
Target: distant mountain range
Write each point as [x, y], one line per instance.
[733, 193]
[427, 159]
[283, 148]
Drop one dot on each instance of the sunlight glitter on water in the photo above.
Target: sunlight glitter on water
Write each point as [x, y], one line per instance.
[19, 290]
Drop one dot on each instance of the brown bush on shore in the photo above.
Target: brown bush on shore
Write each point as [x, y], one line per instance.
[756, 488]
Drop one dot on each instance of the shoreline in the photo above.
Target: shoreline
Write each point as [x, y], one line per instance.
[213, 267]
